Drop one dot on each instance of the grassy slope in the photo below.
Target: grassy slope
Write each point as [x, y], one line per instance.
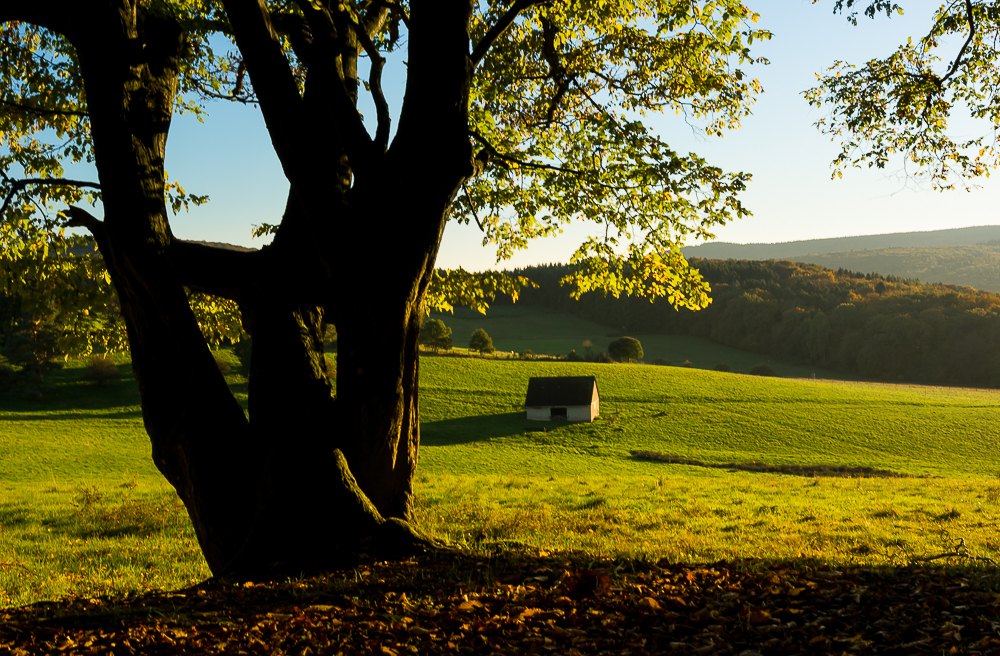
[473, 407]
[83, 510]
[483, 479]
[520, 328]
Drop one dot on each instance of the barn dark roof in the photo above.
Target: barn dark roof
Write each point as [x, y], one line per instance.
[560, 390]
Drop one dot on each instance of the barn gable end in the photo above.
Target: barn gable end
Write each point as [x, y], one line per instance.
[570, 398]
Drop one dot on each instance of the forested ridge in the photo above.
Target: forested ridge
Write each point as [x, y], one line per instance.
[976, 266]
[881, 327]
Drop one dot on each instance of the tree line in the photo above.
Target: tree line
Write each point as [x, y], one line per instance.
[881, 327]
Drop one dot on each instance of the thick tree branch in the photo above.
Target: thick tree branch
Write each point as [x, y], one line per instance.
[330, 83]
[296, 29]
[212, 270]
[272, 79]
[44, 111]
[59, 15]
[500, 26]
[18, 185]
[375, 84]
[81, 218]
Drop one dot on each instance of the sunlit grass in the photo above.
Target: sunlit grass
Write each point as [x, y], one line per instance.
[84, 511]
[713, 516]
[93, 539]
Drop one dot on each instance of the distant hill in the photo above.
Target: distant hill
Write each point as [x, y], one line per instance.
[795, 249]
[971, 266]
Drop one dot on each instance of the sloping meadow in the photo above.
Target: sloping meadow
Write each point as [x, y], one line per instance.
[83, 511]
[877, 474]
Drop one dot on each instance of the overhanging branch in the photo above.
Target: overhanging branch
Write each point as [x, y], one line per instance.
[375, 84]
[500, 27]
[272, 79]
[212, 270]
[19, 185]
[520, 162]
[77, 217]
[972, 34]
[43, 111]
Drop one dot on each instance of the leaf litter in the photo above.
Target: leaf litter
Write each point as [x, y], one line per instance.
[536, 602]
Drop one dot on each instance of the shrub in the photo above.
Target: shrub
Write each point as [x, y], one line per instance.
[481, 342]
[6, 377]
[33, 348]
[572, 356]
[762, 369]
[722, 366]
[100, 370]
[688, 364]
[625, 349]
[435, 334]
[241, 350]
[660, 362]
[223, 366]
[604, 358]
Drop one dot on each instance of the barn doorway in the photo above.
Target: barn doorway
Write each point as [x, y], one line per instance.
[558, 413]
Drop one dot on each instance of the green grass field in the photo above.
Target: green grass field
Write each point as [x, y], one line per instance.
[558, 333]
[83, 510]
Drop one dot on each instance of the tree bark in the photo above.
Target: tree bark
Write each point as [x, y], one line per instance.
[197, 429]
[311, 480]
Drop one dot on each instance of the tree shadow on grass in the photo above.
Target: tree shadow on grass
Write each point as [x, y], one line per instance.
[74, 416]
[481, 428]
[844, 471]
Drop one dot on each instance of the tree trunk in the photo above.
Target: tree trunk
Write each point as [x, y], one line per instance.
[197, 430]
[311, 480]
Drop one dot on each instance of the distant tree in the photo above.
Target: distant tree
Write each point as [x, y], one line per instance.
[722, 366]
[242, 350]
[33, 347]
[435, 334]
[481, 342]
[625, 349]
[100, 370]
[762, 369]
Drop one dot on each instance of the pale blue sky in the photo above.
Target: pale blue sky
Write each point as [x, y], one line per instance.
[792, 196]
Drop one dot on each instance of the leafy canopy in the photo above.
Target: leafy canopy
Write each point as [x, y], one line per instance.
[481, 341]
[558, 110]
[902, 105]
[435, 334]
[560, 94]
[625, 349]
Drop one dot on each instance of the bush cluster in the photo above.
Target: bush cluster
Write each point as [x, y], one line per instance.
[100, 370]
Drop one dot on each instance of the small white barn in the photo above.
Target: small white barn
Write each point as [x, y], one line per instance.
[566, 398]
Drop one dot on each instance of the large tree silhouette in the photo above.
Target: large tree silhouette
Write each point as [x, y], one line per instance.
[519, 117]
